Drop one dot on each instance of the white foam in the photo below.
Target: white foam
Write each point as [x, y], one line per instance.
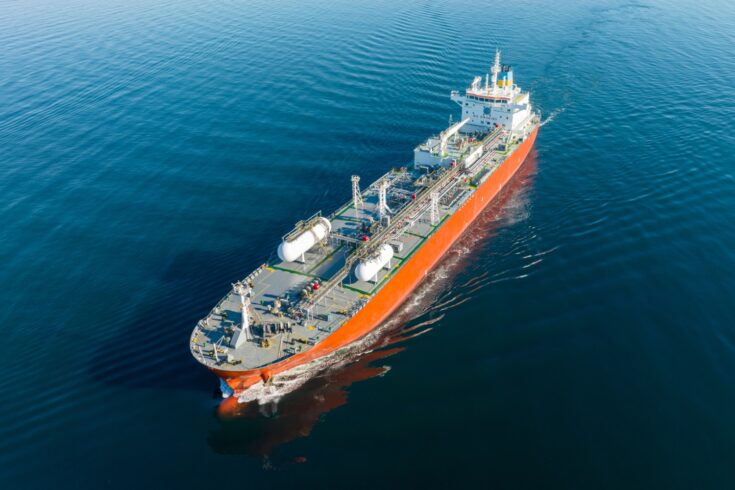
[552, 116]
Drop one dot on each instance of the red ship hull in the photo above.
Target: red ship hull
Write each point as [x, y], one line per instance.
[406, 279]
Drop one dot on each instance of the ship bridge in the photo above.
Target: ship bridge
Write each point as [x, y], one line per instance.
[496, 102]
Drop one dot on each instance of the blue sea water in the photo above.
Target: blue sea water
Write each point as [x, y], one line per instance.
[581, 335]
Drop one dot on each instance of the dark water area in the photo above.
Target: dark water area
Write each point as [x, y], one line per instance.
[581, 335]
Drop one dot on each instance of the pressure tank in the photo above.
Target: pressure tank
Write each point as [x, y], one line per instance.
[368, 268]
[290, 250]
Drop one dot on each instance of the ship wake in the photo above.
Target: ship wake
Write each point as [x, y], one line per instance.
[551, 116]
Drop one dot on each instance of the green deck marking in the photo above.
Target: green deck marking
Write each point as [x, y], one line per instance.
[356, 290]
[283, 269]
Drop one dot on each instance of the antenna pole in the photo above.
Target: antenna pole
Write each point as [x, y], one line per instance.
[495, 70]
[356, 194]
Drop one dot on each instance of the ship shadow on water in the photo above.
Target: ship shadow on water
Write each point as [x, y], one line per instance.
[151, 350]
[268, 416]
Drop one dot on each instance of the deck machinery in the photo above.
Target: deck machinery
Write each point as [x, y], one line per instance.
[330, 267]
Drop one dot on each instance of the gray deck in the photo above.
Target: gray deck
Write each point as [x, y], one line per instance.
[304, 321]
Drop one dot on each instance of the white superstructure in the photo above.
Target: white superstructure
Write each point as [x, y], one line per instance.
[443, 149]
[494, 101]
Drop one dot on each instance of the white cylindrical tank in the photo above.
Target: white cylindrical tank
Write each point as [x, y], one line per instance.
[288, 251]
[367, 269]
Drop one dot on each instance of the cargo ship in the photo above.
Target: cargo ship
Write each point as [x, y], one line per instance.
[336, 277]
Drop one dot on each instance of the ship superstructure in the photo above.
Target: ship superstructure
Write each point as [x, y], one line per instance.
[336, 277]
[495, 101]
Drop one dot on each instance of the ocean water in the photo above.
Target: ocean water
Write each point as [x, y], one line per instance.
[581, 335]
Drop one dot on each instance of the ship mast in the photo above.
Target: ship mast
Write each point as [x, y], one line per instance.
[244, 293]
[495, 70]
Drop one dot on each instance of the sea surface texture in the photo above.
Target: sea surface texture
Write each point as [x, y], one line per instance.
[580, 335]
